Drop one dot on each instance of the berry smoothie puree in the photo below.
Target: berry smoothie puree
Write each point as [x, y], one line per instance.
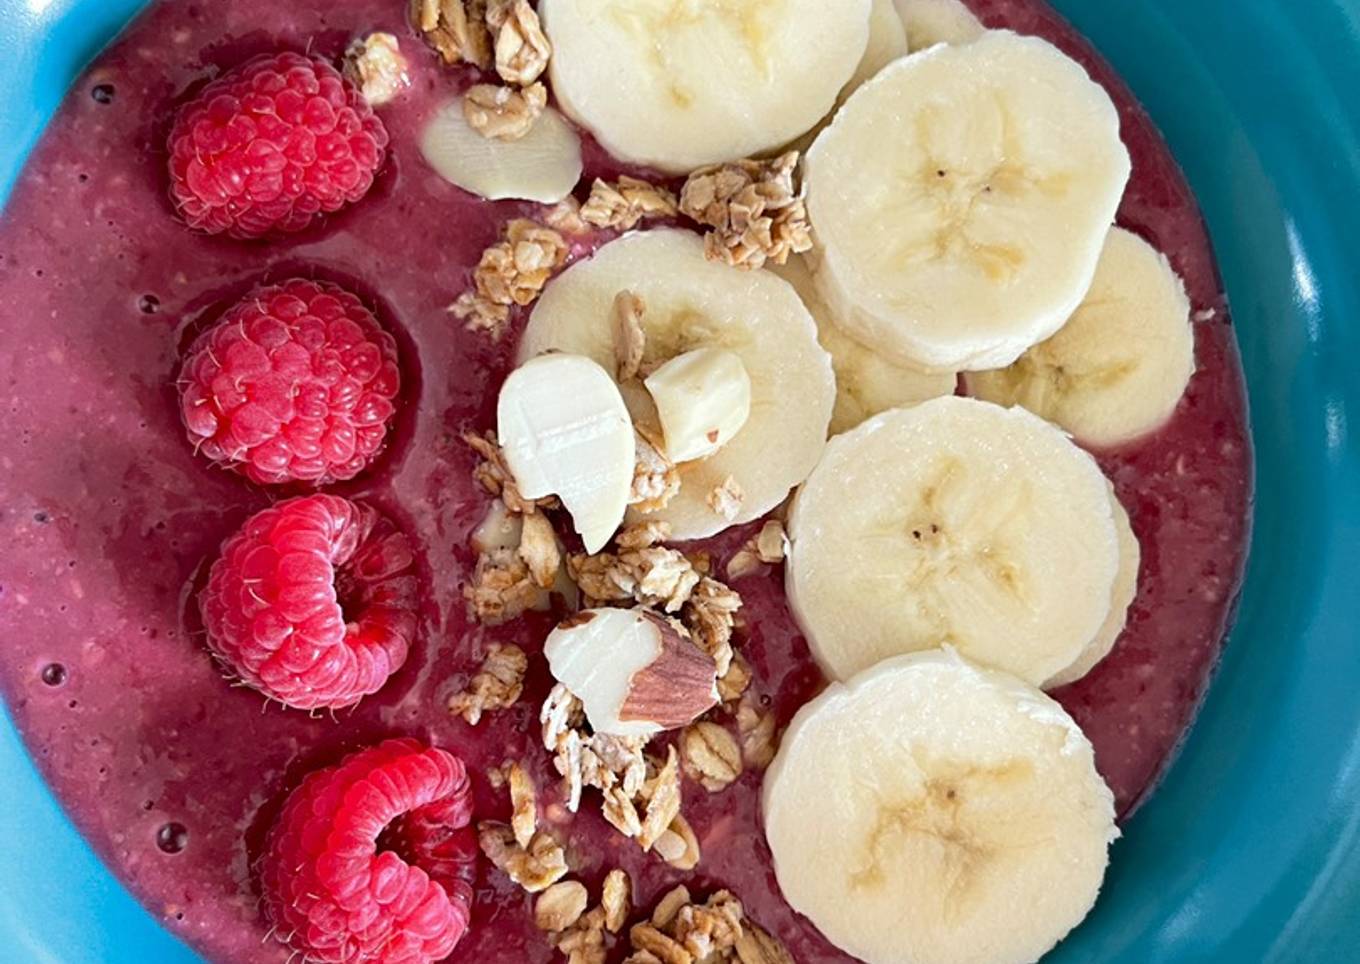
[109, 520]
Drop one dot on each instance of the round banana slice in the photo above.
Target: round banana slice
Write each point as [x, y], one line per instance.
[931, 22]
[1125, 588]
[933, 812]
[967, 229]
[866, 382]
[1118, 368]
[954, 522]
[677, 85]
[691, 302]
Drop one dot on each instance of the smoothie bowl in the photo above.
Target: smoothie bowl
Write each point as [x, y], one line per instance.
[647, 481]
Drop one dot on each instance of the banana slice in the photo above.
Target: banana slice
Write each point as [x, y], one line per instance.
[887, 42]
[933, 812]
[543, 165]
[969, 228]
[1125, 588]
[692, 302]
[1118, 368]
[954, 522]
[931, 22]
[866, 382]
[677, 84]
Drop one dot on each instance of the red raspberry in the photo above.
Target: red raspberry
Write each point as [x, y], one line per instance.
[268, 146]
[372, 859]
[313, 602]
[297, 382]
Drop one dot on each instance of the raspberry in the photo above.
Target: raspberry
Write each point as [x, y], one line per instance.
[297, 382]
[313, 602]
[372, 859]
[268, 146]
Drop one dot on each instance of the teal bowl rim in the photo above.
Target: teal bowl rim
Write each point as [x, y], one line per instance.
[1250, 851]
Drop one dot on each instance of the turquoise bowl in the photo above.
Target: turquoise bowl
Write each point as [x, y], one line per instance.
[1250, 851]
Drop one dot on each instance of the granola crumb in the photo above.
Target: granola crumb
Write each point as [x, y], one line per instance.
[753, 208]
[560, 906]
[584, 942]
[511, 272]
[626, 202]
[376, 66]
[565, 217]
[539, 550]
[656, 480]
[456, 29]
[523, 805]
[771, 543]
[535, 867]
[504, 113]
[629, 338]
[679, 845]
[710, 755]
[496, 685]
[734, 683]
[758, 734]
[616, 899]
[494, 476]
[681, 931]
[521, 48]
[725, 500]
[710, 614]
[643, 535]
[501, 588]
[758, 946]
[662, 794]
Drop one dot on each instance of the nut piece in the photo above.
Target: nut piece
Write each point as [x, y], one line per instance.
[710, 755]
[375, 65]
[456, 29]
[754, 211]
[561, 905]
[522, 50]
[497, 684]
[635, 673]
[725, 500]
[629, 338]
[493, 475]
[535, 867]
[565, 431]
[703, 399]
[505, 113]
[626, 202]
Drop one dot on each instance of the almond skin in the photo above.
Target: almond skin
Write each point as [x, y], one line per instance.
[674, 689]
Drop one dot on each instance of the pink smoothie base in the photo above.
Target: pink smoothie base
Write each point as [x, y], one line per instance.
[108, 519]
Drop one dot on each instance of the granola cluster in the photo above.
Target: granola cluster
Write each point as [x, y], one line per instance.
[725, 499]
[623, 204]
[456, 29]
[644, 573]
[505, 113]
[580, 934]
[717, 931]
[534, 867]
[766, 548]
[495, 686]
[376, 66]
[754, 209]
[504, 34]
[511, 272]
[510, 578]
[640, 793]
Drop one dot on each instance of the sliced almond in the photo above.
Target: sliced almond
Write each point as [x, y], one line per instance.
[633, 671]
[542, 165]
[703, 399]
[566, 432]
